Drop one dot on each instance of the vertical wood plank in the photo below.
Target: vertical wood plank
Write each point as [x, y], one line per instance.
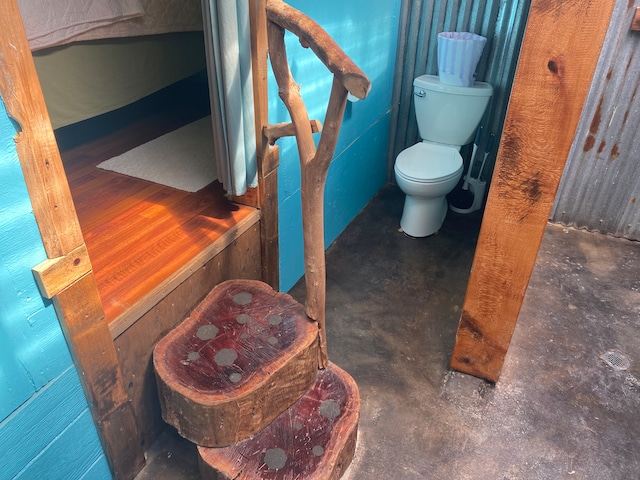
[635, 21]
[86, 330]
[560, 50]
[268, 158]
[78, 306]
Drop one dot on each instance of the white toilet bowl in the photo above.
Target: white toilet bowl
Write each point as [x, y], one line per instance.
[426, 173]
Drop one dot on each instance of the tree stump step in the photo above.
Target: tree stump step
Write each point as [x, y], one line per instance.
[245, 355]
[315, 439]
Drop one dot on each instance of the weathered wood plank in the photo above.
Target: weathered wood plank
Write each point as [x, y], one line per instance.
[35, 142]
[56, 274]
[268, 158]
[73, 453]
[635, 22]
[93, 351]
[558, 57]
[48, 413]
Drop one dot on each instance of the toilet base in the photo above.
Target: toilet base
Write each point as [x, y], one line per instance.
[423, 216]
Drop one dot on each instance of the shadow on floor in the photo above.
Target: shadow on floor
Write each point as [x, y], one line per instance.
[558, 411]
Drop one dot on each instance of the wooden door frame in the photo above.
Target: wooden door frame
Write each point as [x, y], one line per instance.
[488, 314]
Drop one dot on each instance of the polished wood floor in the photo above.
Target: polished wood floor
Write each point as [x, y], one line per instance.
[138, 233]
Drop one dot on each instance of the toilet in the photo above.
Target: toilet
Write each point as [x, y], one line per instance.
[448, 117]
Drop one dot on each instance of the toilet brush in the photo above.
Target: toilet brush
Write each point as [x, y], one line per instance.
[476, 142]
[487, 151]
[463, 198]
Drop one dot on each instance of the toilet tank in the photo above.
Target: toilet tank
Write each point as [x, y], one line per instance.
[449, 114]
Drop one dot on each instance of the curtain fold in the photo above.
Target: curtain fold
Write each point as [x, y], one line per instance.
[228, 50]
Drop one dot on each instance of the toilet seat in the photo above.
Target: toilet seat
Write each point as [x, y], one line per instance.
[429, 163]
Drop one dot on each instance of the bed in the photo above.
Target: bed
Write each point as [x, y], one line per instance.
[95, 57]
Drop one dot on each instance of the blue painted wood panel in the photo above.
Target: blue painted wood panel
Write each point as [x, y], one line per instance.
[38, 422]
[70, 456]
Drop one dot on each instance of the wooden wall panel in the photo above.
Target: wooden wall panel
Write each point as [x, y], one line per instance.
[558, 57]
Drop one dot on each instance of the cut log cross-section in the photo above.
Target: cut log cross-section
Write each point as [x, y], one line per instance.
[315, 439]
[247, 377]
[244, 356]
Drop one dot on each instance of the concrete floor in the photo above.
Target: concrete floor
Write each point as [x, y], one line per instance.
[559, 411]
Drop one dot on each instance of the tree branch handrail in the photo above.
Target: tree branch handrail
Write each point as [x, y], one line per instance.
[314, 163]
[312, 35]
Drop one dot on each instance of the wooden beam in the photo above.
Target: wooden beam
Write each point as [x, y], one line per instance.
[93, 352]
[635, 22]
[559, 53]
[35, 142]
[273, 132]
[76, 299]
[268, 158]
[55, 274]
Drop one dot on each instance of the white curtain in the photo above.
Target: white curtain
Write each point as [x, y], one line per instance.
[228, 48]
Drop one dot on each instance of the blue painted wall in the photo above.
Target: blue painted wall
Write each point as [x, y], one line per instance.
[367, 32]
[46, 429]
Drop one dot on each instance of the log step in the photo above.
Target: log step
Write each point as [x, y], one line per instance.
[315, 439]
[244, 356]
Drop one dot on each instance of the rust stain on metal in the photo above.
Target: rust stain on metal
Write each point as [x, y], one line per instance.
[589, 143]
[597, 118]
[615, 152]
[601, 147]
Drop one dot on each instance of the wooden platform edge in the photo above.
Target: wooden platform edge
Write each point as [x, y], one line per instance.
[130, 316]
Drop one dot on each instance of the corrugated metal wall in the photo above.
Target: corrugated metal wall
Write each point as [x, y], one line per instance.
[501, 21]
[600, 188]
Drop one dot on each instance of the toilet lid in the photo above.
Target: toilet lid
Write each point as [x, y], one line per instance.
[428, 162]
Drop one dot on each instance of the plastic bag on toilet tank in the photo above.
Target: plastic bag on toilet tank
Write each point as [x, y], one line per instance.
[458, 57]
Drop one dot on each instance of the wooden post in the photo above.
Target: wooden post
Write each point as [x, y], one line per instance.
[268, 157]
[314, 164]
[560, 50]
[66, 277]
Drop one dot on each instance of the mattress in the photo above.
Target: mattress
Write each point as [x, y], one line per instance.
[86, 79]
[96, 56]
[52, 23]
